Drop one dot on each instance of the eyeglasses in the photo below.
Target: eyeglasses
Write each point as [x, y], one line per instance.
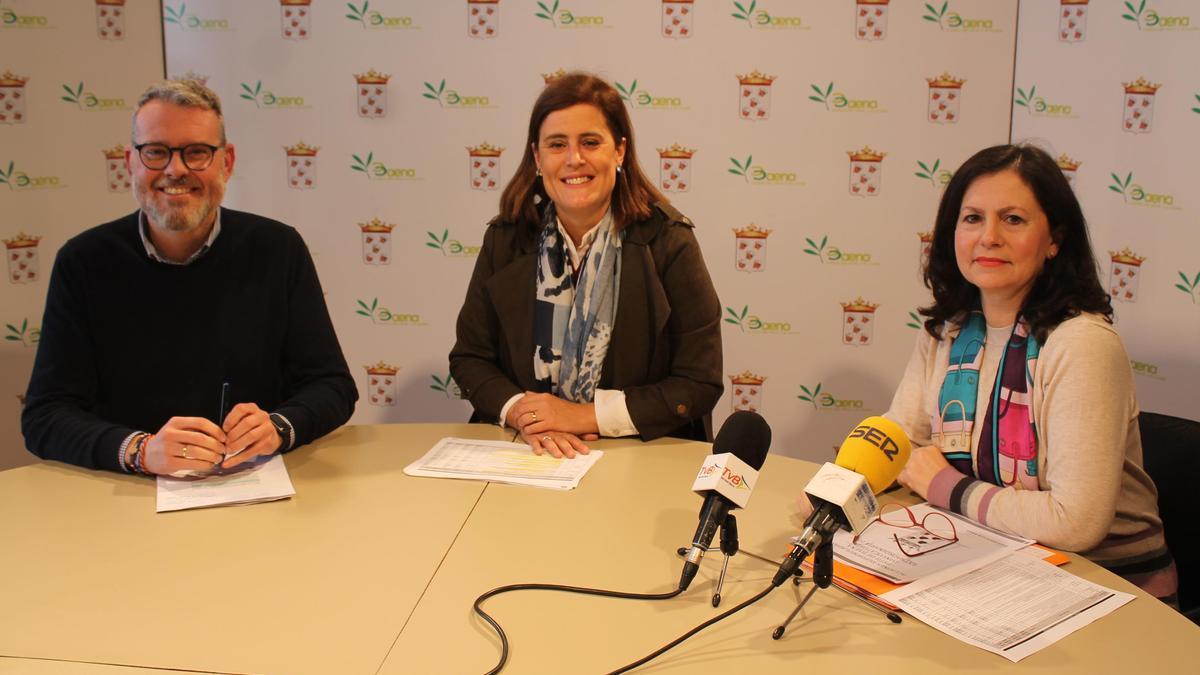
[933, 532]
[157, 156]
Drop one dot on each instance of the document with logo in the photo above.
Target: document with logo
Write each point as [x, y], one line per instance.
[501, 462]
[1013, 606]
[264, 481]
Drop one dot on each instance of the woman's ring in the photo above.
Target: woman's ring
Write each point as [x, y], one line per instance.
[534, 413]
[545, 439]
[185, 454]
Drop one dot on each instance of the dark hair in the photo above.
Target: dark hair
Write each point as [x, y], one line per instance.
[633, 194]
[1068, 283]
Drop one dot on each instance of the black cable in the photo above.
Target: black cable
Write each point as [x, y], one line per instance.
[671, 645]
[555, 587]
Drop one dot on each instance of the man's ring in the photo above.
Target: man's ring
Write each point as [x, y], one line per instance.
[185, 454]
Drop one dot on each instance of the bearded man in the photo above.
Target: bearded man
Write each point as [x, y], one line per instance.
[184, 338]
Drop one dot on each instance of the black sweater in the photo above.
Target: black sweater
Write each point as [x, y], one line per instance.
[128, 342]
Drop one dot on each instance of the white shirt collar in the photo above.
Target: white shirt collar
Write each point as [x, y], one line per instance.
[153, 253]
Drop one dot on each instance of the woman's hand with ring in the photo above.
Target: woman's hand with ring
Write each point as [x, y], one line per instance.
[558, 444]
[537, 414]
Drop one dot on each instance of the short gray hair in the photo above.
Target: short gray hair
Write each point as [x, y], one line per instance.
[186, 92]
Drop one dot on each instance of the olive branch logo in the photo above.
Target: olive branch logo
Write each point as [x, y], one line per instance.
[1025, 100]
[74, 95]
[816, 250]
[6, 175]
[1135, 15]
[737, 319]
[1121, 186]
[810, 395]
[367, 310]
[822, 96]
[174, 16]
[360, 165]
[252, 94]
[26, 336]
[745, 12]
[928, 172]
[1189, 286]
[358, 14]
[446, 386]
[548, 13]
[743, 169]
[914, 321]
[435, 93]
[627, 94]
[1197, 109]
[937, 15]
[438, 242]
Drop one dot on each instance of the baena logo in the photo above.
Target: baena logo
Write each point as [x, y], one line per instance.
[1146, 369]
[373, 20]
[915, 321]
[449, 98]
[761, 18]
[1135, 194]
[752, 323]
[565, 18]
[1190, 286]
[451, 248]
[1197, 108]
[446, 385]
[89, 102]
[268, 99]
[380, 171]
[1038, 106]
[756, 174]
[180, 17]
[10, 19]
[19, 180]
[837, 101]
[383, 316]
[640, 99]
[27, 336]
[824, 401]
[933, 173]
[949, 20]
[834, 255]
[1149, 19]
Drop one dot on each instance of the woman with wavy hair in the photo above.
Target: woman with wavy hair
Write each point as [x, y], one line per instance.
[590, 312]
[1019, 390]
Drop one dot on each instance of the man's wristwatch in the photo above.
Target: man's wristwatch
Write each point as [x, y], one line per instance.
[287, 435]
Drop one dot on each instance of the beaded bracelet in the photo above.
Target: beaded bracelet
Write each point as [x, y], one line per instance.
[140, 457]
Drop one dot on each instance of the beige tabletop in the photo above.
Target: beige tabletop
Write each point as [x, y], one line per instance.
[367, 570]
[320, 583]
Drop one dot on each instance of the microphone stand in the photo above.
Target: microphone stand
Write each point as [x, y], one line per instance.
[729, 547]
[822, 578]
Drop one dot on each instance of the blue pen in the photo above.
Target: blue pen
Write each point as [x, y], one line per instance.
[224, 411]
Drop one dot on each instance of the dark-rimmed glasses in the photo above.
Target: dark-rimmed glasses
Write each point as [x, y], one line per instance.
[195, 156]
[933, 532]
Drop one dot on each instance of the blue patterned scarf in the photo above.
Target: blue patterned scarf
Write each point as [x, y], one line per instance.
[573, 317]
[1008, 450]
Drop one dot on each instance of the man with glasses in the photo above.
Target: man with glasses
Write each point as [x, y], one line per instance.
[184, 338]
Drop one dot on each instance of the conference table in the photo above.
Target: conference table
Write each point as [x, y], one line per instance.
[368, 570]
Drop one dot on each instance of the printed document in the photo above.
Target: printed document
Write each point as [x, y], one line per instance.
[501, 462]
[1013, 606]
[263, 482]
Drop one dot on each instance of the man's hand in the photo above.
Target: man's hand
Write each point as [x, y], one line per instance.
[558, 443]
[185, 444]
[250, 434]
[923, 464]
[539, 414]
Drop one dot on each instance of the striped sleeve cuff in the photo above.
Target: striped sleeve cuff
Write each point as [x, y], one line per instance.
[123, 452]
[961, 494]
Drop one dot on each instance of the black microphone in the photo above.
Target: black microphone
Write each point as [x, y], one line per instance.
[726, 480]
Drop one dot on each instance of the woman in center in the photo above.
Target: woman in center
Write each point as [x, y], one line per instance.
[590, 311]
